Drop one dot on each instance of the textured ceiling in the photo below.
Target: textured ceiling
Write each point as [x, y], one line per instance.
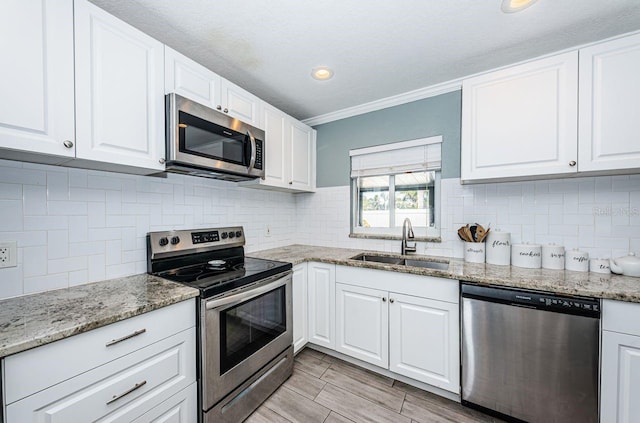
[377, 48]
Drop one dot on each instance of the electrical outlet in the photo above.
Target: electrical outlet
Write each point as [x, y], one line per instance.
[8, 254]
[268, 231]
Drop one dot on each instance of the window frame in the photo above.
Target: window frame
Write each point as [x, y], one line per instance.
[419, 231]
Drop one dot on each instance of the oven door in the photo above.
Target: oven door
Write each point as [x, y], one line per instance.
[243, 332]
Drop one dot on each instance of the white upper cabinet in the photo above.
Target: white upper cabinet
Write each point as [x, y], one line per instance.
[195, 82]
[119, 91]
[303, 157]
[189, 79]
[36, 88]
[240, 104]
[521, 121]
[609, 130]
[290, 157]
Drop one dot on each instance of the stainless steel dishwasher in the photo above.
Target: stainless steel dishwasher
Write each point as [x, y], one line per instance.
[530, 356]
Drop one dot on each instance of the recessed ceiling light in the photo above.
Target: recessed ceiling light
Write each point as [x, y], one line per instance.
[322, 73]
[512, 6]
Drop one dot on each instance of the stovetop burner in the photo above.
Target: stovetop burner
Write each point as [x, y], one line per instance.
[208, 260]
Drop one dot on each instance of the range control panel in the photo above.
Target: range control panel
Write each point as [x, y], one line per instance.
[170, 243]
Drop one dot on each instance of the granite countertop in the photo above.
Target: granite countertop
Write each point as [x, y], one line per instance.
[33, 320]
[610, 286]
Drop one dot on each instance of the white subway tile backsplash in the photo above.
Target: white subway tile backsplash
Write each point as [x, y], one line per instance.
[11, 215]
[75, 226]
[10, 191]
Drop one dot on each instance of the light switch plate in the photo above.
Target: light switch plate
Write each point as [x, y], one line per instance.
[8, 254]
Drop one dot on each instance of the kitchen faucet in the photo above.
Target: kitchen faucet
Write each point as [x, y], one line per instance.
[406, 248]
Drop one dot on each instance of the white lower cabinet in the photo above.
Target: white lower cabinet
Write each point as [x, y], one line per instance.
[423, 340]
[118, 373]
[406, 323]
[620, 372]
[362, 324]
[322, 304]
[300, 330]
[180, 408]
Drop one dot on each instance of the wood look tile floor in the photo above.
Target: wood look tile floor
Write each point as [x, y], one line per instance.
[324, 389]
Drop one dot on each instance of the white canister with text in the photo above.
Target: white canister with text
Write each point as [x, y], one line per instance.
[498, 248]
[526, 255]
[474, 252]
[598, 265]
[576, 260]
[553, 257]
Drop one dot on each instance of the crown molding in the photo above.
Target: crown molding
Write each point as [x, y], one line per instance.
[383, 103]
[434, 90]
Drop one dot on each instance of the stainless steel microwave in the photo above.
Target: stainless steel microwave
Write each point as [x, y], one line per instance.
[204, 142]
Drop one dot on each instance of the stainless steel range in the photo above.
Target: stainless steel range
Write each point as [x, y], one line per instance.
[244, 316]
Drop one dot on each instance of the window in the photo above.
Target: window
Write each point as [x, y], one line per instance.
[393, 182]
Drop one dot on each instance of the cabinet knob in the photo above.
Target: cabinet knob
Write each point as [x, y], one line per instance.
[218, 107]
[391, 300]
[384, 300]
[226, 110]
[572, 163]
[290, 182]
[68, 144]
[162, 160]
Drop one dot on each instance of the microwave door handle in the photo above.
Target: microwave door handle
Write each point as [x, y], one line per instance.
[252, 161]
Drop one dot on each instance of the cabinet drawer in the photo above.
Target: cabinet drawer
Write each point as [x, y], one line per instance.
[61, 360]
[404, 283]
[621, 316]
[180, 408]
[121, 390]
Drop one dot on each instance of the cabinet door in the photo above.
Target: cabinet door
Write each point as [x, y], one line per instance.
[241, 104]
[299, 307]
[362, 325]
[119, 91]
[302, 156]
[424, 340]
[36, 88]
[620, 375]
[276, 162]
[322, 304]
[521, 121]
[609, 104]
[189, 79]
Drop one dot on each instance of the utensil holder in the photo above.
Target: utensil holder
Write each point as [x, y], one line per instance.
[474, 252]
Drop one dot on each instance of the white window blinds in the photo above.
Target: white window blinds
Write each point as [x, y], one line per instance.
[408, 156]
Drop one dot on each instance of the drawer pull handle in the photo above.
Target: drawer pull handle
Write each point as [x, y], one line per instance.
[124, 338]
[136, 386]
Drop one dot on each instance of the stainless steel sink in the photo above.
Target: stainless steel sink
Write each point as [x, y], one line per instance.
[378, 259]
[427, 264]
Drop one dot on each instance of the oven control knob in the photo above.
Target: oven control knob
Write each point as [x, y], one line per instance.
[232, 234]
[238, 234]
[163, 241]
[175, 240]
[224, 235]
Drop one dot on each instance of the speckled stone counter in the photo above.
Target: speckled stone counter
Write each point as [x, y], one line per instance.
[623, 288]
[38, 319]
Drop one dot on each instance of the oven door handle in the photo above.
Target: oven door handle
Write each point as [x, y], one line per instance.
[249, 294]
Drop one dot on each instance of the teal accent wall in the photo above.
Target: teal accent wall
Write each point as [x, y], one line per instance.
[439, 115]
